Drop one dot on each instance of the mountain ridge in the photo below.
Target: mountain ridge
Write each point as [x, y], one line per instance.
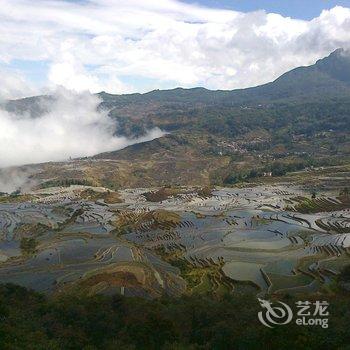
[326, 73]
[220, 137]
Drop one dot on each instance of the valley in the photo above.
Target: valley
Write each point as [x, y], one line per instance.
[174, 175]
[263, 238]
[246, 191]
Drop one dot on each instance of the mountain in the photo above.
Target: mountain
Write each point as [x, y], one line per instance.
[301, 119]
[336, 65]
[32, 106]
[328, 77]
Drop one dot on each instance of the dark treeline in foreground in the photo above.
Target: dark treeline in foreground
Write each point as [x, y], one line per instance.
[32, 321]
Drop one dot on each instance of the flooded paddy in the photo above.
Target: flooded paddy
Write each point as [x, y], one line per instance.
[61, 240]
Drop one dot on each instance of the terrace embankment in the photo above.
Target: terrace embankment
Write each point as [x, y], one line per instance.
[150, 241]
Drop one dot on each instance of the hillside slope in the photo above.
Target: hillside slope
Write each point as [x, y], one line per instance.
[328, 77]
[301, 119]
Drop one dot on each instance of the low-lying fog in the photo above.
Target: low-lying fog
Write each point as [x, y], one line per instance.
[72, 127]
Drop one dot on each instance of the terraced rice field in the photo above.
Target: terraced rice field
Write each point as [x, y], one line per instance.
[149, 241]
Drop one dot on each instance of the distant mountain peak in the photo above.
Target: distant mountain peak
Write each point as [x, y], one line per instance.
[329, 77]
[336, 65]
[339, 53]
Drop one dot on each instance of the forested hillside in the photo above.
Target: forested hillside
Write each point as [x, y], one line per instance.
[301, 119]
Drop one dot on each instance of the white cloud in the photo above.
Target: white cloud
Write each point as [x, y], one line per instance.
[71, 74]
[14, 85]
[72, 127]
[96, 44]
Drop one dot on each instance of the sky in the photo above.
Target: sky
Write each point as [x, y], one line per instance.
[125, 46]
[301, 9]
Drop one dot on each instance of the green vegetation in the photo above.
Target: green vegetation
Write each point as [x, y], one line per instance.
[33, 229]
[128, 221]
[15, 198]
[203, 276]
[205, 192]
[168, 192]
[321, 204]
[32, 321]
[28, 245]
[345, 274]
[162, 194]
[109, 197]
[65, 183]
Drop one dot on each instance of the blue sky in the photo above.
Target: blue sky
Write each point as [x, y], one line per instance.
[125, 46]
[302, 9]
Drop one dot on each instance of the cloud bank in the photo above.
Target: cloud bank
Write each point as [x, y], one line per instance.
[13, 179]
[131, 45]
[72, 127]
